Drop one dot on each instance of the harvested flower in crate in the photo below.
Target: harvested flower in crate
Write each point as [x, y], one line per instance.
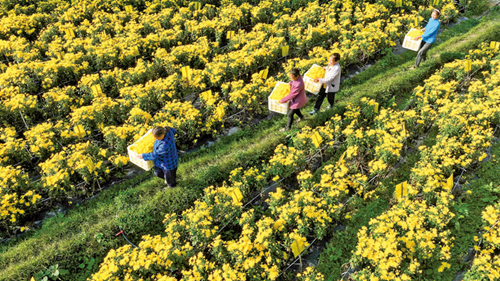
[316, 72]
[414, 33]
[143, 145]
[280, 92]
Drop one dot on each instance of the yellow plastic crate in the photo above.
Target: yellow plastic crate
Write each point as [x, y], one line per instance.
[275, 105]
[134, 157]
[411, 44]
[311, 86]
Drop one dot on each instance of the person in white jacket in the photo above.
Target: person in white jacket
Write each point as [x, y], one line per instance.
[332, 82]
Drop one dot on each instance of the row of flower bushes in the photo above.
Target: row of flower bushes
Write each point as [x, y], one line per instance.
[415, 234]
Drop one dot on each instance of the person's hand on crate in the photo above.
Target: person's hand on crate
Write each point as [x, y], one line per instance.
[140, 156]
[417, 38]
[316, 80]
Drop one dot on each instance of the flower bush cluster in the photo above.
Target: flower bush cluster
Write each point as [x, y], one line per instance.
[486, 264]
[414, 234]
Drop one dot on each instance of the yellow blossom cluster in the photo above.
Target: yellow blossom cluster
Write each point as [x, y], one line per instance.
[16, 195]
[43, 139]
[119, 160]
[337, 181]
[285, 160]
[316, 72]
[249, 96]
[304, 211]
[381, 142]
[119, 137]
[144, 145]
[310, 274]
[402, 240]
[12, 150]
[83, 161]
[415, 233]
[328, 135]
[280, 91]
[415, 33]
[182, 116]
[486, 265]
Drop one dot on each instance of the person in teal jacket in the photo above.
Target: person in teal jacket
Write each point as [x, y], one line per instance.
[429, 36]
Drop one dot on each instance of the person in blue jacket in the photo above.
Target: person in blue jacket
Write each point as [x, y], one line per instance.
[429, 36]
[164, 155]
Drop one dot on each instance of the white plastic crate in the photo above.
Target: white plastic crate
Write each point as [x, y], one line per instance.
[134, 157]
[310, 85]
[275, 105]
[411, 44]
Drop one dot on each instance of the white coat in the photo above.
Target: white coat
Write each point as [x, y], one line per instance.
[332, 78]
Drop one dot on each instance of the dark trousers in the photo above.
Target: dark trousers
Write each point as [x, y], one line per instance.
[321, 96]
[169, 176]
[422, 52]
[291, 113]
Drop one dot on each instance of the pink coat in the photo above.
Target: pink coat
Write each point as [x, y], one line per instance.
[297, 96]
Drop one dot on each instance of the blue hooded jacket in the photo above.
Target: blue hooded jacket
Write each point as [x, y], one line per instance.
[431, 31]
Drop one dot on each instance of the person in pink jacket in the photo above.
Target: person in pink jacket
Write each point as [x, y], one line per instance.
[297, 97]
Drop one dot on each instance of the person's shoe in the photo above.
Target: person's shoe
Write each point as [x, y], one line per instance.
[282, 129]
[413, 67]
[299, 119]
[168, 187]
[166, 182]
[313, 112]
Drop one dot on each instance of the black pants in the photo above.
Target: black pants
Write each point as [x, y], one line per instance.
[422, 52]
[169, 176]
[321, 96]
[291, 113]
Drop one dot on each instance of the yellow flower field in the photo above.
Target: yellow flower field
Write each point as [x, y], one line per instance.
[118, 68]
[83, 80]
